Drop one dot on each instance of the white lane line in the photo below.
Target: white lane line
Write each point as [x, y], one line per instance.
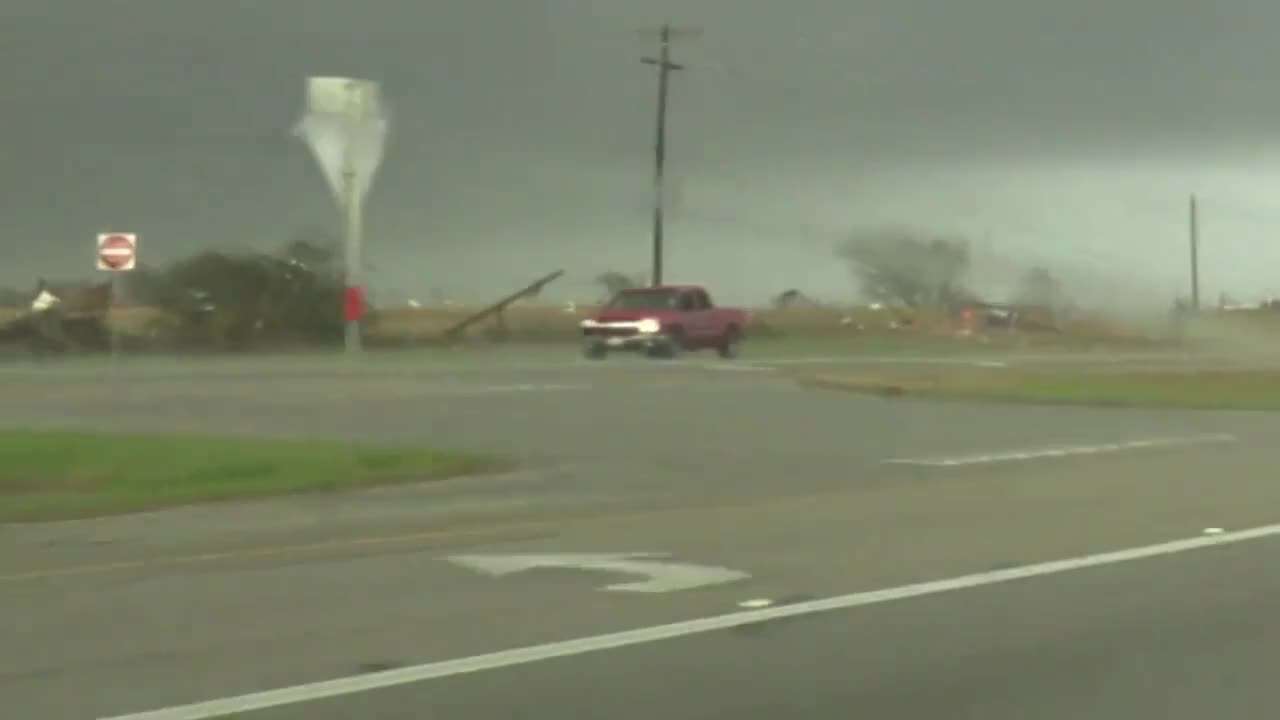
[519, 656]
[425, 391]
[526, 387]
[737, 367]
[861, 360]
[1060, 452]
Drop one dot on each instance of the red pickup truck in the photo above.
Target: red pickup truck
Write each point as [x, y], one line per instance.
[662, 322]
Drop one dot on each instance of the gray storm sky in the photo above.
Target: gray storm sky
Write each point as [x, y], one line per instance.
[1065, 133]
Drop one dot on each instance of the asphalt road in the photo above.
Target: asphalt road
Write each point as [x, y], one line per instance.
[800, 489]
[1180, 638]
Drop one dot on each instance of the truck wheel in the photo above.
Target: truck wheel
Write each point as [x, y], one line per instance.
[728, 347]
[671, 348]
[664, 351]
[594, 350]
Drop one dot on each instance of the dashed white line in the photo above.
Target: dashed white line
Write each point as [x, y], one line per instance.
[864, 360]
[321, 690]
[737, 367]
[523, 387]
[1060, 452]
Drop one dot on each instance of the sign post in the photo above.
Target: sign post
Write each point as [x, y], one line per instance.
[345, 126]
[116, 253]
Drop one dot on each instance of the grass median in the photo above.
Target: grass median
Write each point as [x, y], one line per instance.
[1185, 389]
[65, 475]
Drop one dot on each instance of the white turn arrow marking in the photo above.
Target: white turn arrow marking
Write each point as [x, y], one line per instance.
[661, 576]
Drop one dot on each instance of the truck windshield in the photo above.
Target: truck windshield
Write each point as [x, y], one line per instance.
[644, 299]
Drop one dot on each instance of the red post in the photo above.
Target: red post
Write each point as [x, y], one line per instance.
[352, 304]
[968, 321]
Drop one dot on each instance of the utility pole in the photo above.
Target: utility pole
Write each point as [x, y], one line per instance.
[665, 66]
[1195, 254]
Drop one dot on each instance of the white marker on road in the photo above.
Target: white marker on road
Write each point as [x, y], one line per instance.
[662, 576]
[323, 689]
[1060, 452]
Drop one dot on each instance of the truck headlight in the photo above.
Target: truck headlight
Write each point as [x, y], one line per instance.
[648, 326]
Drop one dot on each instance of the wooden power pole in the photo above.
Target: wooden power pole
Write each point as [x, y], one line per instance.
[665, 67]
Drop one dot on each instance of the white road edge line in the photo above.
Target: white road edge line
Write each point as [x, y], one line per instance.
[1058, 452]
[507, 658]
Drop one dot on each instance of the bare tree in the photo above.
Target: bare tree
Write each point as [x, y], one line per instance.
[1039, 288]
[903, 267]
[787, 298]
[614, 282]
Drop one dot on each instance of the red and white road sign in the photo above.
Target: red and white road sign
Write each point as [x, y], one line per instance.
[117, 251]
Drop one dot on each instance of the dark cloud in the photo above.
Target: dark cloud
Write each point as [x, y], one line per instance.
[522, 128]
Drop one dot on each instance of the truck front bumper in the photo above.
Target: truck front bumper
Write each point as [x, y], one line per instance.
[647, 341]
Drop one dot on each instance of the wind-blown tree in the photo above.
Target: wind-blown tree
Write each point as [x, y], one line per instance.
[906, 268]
[239, 300]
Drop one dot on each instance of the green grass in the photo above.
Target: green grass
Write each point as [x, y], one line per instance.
[1198, 389]
[63, 475]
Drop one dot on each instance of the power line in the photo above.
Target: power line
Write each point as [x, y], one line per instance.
[665, 67]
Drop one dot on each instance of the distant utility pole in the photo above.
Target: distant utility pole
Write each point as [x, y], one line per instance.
[665, 66]
[1194, 223]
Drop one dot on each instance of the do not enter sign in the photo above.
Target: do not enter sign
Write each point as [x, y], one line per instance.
[117, 251]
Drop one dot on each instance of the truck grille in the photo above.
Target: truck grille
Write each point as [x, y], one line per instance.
[610, 331]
